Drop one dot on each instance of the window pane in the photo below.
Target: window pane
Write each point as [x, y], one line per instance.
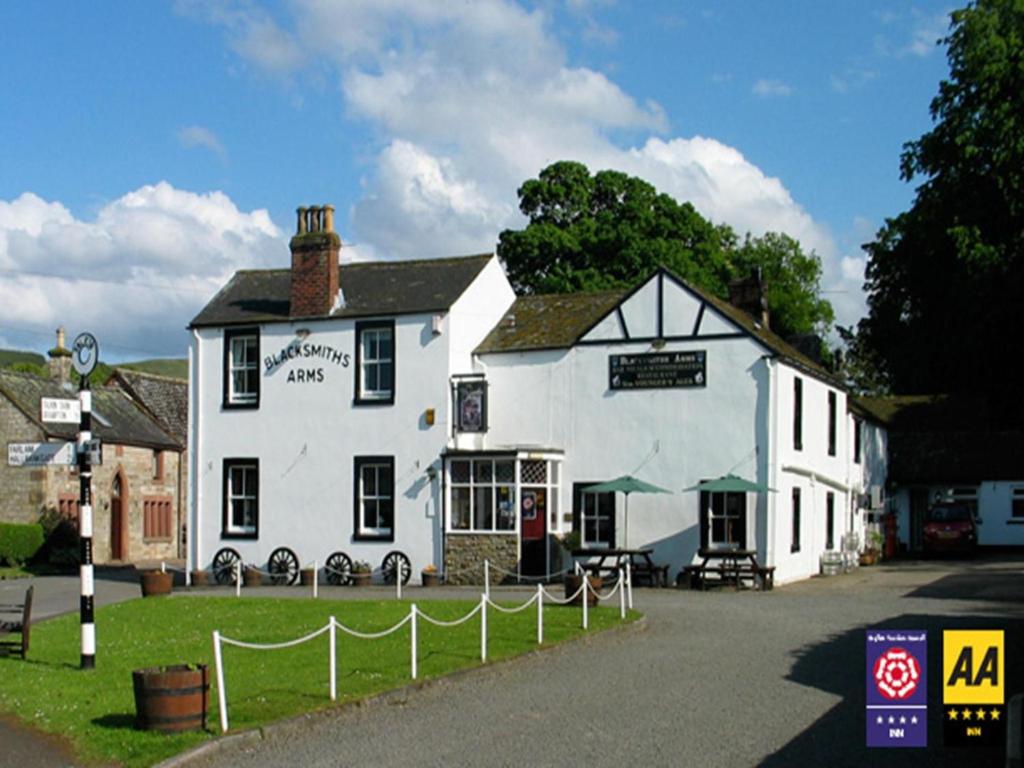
[371, 378]
[237, 352]
[369, 481]
[370, 513]
[460, 509]
[506, 508]
[384, 344]
[460, 471]
[505, 471]
[369, 345]
[386, 480]
[483, 509]
[385, 377]
[483, 471]
[386, 513]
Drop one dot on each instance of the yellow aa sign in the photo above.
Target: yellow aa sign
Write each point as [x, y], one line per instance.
[972, 666]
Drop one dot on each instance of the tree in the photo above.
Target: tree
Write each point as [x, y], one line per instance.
[610, 230]
[945, 279]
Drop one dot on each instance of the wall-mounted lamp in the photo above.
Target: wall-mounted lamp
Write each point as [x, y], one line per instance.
[431, 473]
[658, 344]
[302, 333]
[428, 417]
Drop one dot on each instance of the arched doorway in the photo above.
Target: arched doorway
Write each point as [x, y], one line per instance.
[118, 507]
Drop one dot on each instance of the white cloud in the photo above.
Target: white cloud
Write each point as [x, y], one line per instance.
[137, 273]
[771, 88]
[197, 136]
[927, 32]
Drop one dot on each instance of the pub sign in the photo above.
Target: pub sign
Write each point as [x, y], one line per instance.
[658, 370]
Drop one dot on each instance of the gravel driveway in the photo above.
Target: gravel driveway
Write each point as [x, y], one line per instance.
[712, 679]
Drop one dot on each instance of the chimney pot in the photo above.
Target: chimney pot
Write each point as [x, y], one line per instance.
[328, 218]
[314, 274]
[301, 227]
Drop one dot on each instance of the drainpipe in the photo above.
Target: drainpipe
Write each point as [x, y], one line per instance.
[771, 503]
[192, 543]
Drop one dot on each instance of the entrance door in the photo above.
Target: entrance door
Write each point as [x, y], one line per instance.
[918, 509]
[533, 531]
[116, 519]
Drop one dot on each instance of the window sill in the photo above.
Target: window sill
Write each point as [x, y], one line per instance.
[230, 535]
[385, 537]
[374, 400]
[228, 406]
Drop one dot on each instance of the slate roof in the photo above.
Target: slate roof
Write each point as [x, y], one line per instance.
[558, 321]
[116, 418]
[164, 397]
[370, 289]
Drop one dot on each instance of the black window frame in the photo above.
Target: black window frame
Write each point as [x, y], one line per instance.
[798, 414]
[830, 520]
[230, 334]
[373, 325]
[794, 544]
[577, 513]
[833, 406]
[358, 463]
[227, 466]
[858, 426]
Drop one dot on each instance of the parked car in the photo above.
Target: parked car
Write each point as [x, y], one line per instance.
[950, 527]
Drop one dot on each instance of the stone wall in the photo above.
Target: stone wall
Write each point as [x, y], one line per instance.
[465, 554]
[21, 488]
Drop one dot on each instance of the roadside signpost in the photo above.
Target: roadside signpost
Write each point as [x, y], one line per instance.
[84, 354]
[60, 411]
[40, 454]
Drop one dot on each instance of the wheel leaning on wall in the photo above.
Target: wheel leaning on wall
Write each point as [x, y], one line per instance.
[283, 566]
[396, 564]
[338, 569]
[223, 566]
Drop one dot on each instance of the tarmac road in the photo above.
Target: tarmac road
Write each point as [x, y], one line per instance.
[713, 679]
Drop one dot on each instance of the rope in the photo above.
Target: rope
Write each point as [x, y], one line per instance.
[567, 600]
[373, 635]
[457, 622]
[275, 646]
[545, 577]
[608, 596]
[522, 607]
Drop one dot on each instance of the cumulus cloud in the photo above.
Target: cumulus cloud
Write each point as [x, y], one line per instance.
[771, 88]
[136, 273]
[197, 136]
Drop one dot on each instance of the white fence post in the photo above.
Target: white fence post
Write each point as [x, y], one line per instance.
[238, 578]
[188, 577]
[316, 580]
[487, 578]
[332, 635]
[398, 580]
[412, 621]
[540, 614]
[622, 594]
[586, 600]
[222, 697]
[629, 586]
[483, 626]
[163, 567]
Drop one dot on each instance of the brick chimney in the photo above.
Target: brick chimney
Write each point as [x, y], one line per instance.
[315, 250]
[747, 293]
[60, 359]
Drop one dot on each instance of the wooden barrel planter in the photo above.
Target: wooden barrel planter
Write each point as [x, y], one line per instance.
[173, 698]
[156, 583]
[430, 578]
[360, 579]
[251, 577]
[307, 576]
[200, 578]
[573, 582]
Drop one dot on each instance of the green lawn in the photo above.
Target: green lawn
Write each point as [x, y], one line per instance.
[95, 709]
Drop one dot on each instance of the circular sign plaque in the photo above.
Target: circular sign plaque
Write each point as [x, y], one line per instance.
[85, 353]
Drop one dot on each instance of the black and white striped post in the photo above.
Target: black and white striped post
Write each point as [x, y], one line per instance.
[84, 356]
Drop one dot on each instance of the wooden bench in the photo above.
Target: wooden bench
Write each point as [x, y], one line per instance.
[15, 626]
[655, 575]
[696, 576]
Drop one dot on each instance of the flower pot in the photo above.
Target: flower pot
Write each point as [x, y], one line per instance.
[574, 581]
[172, 698]
[156, 583]
[361, 579]
[251, 577]
[307, 576]
[868, 557]
[431, 578]
[200, 578]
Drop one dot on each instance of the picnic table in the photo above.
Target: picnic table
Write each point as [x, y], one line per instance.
[729, 565]
[606, 561]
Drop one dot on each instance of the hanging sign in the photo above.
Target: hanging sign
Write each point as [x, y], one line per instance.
[658, 370]
[60, 411]
[85, 352]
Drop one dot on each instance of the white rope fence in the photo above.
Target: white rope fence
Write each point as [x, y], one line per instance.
[538, 599]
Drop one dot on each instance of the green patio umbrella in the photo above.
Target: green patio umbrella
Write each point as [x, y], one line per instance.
[730, 484]
[626, 484]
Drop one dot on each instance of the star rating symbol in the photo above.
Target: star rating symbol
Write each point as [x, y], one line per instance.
[891, 719]
[880, 720]
[980, 714]
[953, 714]
[994, 714]
[913, 720]
[902, 720]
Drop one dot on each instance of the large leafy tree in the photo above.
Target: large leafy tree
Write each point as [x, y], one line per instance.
[945, 278]
[590, 232]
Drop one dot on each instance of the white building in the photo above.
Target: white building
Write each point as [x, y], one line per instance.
[421, 407]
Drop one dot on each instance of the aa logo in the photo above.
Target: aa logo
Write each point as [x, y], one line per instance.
[972, 689]
[972, 667]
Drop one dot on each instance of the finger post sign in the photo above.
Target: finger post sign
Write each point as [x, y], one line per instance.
[897, 688]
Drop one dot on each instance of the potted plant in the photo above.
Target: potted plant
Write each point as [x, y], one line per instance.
[251, 576]
[172, 698]
[430, 576]
[155, 583]
[307, 576]
[199, 578]
[361, 572]
[573, 582]
[873, 551]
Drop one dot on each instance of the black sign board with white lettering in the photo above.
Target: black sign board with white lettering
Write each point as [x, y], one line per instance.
[658, 370]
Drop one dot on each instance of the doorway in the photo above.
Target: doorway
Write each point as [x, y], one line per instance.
[533, 531]
[918, 509]
[118, 505]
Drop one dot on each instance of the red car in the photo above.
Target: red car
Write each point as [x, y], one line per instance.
[950, 527]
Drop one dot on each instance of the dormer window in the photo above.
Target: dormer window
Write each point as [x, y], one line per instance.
[375, 362]
[242, 368]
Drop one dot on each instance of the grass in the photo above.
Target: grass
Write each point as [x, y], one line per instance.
[94, 710]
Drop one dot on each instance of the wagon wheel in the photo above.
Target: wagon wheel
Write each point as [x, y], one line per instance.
[224, 565]
[338, 569]
[283, 566]
[394, 563]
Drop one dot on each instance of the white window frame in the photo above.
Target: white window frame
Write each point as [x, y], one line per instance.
[596, 517]
[472, 485]
[235, 395]
[230, 525]
[367, 363]
[385, 493]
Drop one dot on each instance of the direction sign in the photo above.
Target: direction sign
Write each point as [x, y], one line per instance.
[58, 410]
[40, 454]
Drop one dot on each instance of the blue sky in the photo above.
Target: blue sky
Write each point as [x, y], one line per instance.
[148, 150]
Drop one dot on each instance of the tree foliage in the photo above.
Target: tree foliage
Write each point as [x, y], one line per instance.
[944, 279]
[591, 232]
